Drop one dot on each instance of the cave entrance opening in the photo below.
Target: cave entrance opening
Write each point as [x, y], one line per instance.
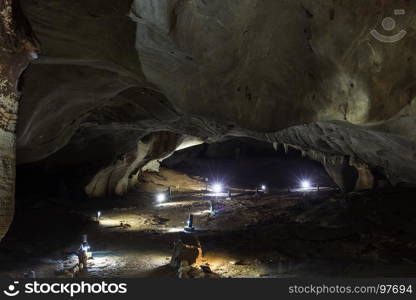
[249, 164]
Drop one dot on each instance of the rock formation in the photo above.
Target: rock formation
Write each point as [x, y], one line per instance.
[15, 53]
[117, 178]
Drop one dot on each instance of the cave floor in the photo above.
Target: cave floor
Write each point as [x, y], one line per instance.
[278, 234]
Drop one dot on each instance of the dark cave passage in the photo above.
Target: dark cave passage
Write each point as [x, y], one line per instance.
[248, 163]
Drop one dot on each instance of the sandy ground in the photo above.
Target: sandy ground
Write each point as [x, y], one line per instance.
[277, 234]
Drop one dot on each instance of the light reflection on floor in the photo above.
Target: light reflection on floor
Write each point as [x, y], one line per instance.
[134, 236]
[178, 203]
[121, 264]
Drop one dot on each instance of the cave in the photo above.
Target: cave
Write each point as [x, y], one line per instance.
[207, 139]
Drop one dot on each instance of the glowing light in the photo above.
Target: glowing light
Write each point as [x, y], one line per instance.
[202, 212]
[305, 184]
[178, 203]
[98, 214]
[263, 187]
[85, 247]
[109, 222]
[217, 188]
[161, 197]
[175, 229]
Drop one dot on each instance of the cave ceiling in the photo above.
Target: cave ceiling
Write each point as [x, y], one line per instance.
[303, 73]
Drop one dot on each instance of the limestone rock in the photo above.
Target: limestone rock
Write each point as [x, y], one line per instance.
[15, 53]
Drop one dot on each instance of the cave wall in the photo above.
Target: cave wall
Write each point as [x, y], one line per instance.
[326, 141]
[15, 52]
[264, 65]
[268, 65]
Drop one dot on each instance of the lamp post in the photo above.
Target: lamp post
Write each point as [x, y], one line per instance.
[161, 197]
[190, 223]
[305, 184]
[83, 251]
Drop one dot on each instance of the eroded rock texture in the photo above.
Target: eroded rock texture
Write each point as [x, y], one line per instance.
[112, 71]
[15, 51]
[124, 173]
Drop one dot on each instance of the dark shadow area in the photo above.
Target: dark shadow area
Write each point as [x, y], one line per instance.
[249, 163]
